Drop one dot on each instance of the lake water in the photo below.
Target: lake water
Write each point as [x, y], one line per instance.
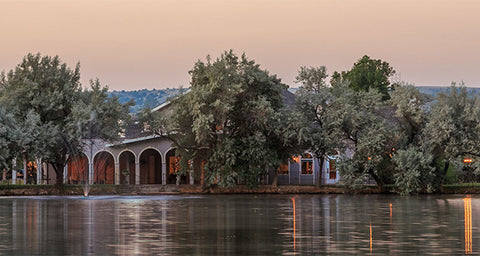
[240, 225]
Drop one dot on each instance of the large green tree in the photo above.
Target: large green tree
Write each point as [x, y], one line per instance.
[320, 121]
[452, 131]
[46, 98]
[229, 120]
[9, 133]
[366, 74]
[415, 169]
[365, 132]
[410, 112]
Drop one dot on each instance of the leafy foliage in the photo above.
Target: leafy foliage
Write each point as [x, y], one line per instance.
[9, 133]
[364, 131]
[416, 171]
[225, 121]
[366, 74]
[410, 111]
[56, 115]
[315, 102]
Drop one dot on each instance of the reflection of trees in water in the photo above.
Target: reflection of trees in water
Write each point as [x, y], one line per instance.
[250, 224]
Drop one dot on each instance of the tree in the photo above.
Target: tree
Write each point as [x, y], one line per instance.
[410, 111]
[363, 131]
[366, 74]
[415, 169]
[225, 120]
[46, 97]
[9, 133]
[452, 130]
[314, 102]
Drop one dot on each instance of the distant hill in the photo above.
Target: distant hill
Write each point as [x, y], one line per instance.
[434, 90]
[430, 90]
[145, 98]
[151, 98]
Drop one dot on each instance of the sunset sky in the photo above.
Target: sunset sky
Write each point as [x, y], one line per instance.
[139, 44]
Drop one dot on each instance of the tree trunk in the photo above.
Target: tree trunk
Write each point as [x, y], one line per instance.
[445, 170]
[319, 178]
[275, 179]
[377, 180]
[59, 173]
[177, 182]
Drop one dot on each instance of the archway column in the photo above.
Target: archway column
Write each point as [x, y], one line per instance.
[25, 168]
[164, 172]
[65, 174]
[190, 173]
[117, 173]
[137, 171]
[90, 171]
[14, 171]
[39, 171]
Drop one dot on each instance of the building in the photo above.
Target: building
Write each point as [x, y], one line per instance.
[142, 157]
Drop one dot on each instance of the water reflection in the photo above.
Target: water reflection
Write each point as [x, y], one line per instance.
[240, 225]
[467, 205]
[294, 225]
[371, 239]
[391, 210]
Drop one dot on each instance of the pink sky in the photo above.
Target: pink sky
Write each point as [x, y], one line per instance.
[154, 43]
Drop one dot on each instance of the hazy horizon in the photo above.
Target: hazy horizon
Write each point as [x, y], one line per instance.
[132, 45]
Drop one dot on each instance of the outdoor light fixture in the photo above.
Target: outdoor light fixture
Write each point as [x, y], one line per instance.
[467, 160]
[296, 159]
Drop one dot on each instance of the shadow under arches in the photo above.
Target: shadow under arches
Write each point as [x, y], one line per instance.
[103, 168]
[150, 160]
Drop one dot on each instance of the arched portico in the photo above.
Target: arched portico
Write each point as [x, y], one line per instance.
[150, 161]
[127, 167]
[78, 169]
[104, 168]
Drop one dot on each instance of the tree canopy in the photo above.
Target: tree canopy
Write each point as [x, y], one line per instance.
[319, 119]
[229, 120]
[9, 133]
[46, 97]
[366, 74]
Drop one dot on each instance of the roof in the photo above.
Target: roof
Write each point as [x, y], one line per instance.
[288, 98]
[136, 132]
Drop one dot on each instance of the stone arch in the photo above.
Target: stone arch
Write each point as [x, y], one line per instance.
[173, 165]
[77, 169]
[126, 150]
[126, 160]
[103, 168]
[150, 160]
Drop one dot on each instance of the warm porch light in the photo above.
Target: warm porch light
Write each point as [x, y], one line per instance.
[369, 158]
[296, 159]
[467, 160]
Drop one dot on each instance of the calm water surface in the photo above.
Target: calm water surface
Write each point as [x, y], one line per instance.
[240, 225]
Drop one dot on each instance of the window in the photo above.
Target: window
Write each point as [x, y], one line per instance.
[282, 169]
[174, 165]
[333, 169]
[307, 164]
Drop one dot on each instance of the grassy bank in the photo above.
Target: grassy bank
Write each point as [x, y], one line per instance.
[29, 190]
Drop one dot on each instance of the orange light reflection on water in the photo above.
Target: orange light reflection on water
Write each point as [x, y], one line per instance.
[294, 224]
[467, 205]
[391, 211]
[371, 239]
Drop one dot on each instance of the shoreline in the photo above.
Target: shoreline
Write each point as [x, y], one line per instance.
[126, 190]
